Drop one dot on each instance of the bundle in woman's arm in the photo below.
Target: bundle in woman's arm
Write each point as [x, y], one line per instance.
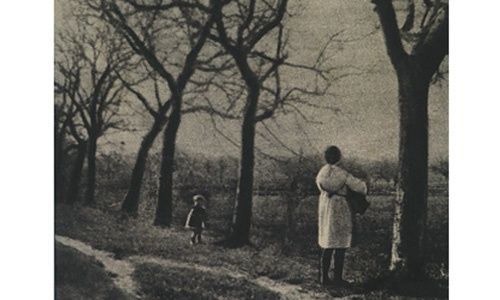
[356, 185]
[356, 194]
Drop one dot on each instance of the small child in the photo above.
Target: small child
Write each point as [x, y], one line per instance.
[196, 218]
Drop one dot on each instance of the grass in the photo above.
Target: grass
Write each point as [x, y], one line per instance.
[180, 283]
[104, 228]
[78, 276]
[134, 237]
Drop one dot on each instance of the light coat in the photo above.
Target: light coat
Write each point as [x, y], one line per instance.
[335, 221]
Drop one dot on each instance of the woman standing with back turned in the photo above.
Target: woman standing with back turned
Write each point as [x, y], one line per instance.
[334, 216]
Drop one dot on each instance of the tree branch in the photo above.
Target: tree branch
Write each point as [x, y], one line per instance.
[136, 43]
[166, 6]
[433, 48]
[141, 98]
[387, 16]
[190, 61]
[280, 12]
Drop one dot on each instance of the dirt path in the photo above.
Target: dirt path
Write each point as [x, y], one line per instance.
[123, 269]
[287, 291]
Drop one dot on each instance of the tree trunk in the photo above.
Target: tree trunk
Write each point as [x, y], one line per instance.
[59, 161]
[411, 201]
[130, 204]
[164, 206]
[91, 169]
[76, 172]
[242, 216]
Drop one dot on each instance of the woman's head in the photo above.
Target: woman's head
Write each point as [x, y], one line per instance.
[332, 155]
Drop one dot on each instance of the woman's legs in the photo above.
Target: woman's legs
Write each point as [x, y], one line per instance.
[325, 261]
[338, 264]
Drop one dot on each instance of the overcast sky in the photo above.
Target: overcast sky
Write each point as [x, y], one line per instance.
[367, 124]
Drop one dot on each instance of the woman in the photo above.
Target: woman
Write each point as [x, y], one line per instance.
[334, 216]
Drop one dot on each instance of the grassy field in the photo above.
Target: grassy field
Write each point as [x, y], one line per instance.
[81, 277]
[104, 228]
[158, 283]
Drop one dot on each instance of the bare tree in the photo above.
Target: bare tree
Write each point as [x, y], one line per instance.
[90, 59]
[63, 115]
[254, 38]
[71, 130]
[157, 106]
[157, 109]
[127, 17]
[76, 171]
[67, 139]
[252, 33]
[428, 44]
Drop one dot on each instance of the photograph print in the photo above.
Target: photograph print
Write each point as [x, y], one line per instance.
[251, 149]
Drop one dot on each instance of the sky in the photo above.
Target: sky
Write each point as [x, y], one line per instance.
[366, 124]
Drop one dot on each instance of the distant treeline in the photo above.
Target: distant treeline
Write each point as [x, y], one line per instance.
[196, 172]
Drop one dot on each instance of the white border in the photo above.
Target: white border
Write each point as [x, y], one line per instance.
[474, 115]
[26, 158]
[26, 213]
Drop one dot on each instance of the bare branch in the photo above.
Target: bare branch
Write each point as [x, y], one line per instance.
[410, 17]
[116, 18]
[167, 6]
[387, 16]
[433, 47]
[279, 13]
[141, 98]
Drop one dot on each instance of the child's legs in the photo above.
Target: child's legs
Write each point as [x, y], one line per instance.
[198, 234]
[193, 236]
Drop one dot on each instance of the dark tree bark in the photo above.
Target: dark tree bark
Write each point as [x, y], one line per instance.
[59, 161]
[76, 174]
[91, 170]
[130, 204]
[414, 72]
[411, 203]
[60, 155]
[90, 61]
[176, 86]
[164, 210]
[239, 48]
[242, 216]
